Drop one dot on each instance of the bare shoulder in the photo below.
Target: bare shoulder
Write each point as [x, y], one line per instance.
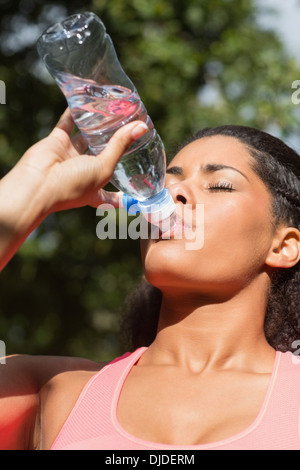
[58, 397]
[28, 386]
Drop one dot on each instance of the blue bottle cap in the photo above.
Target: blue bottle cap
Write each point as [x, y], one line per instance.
[130, 204]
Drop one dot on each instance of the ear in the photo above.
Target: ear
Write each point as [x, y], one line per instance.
[285, 249]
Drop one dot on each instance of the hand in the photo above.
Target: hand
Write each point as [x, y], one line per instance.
[54, 175]
[69, 178]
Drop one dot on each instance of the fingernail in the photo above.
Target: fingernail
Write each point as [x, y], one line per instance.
[139, 130]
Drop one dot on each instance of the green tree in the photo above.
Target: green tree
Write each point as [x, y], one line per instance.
[195, 63]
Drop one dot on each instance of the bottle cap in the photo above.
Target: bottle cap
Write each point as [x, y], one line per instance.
[130, 204]
[157, 208]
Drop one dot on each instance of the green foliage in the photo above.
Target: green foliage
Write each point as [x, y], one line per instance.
[195, 63]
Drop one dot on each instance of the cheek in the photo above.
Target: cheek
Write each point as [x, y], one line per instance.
[239, 233]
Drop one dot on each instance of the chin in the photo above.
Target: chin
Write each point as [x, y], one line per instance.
[163, 271]
[160, 254]
[158, 272]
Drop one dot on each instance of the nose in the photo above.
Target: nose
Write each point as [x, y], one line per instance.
[181, 193]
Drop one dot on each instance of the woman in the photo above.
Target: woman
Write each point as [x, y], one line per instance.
[215, 375]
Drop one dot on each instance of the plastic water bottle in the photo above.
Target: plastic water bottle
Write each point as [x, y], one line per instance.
[80, 56]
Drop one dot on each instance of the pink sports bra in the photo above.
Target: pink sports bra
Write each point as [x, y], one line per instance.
[93, 424]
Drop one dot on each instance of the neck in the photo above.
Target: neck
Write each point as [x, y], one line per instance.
[197, 333]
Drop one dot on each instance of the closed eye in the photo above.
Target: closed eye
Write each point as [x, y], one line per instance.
[223, 186]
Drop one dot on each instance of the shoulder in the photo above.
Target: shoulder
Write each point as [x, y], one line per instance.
[59, 395]
[69, 381]
[290, 361]
[78, 398]
[62, 390]
[62, 393]
[25, 381]
[288, 372]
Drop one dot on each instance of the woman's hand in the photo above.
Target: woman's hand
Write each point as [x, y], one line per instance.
[69, 178]
[55, 174]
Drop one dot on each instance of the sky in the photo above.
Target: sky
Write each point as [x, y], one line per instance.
[286, 22]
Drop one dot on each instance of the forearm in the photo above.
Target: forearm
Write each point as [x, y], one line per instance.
[22, 209]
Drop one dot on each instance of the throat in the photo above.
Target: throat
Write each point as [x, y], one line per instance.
[212, 335]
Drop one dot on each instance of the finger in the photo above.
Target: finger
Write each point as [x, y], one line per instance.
[118, 144]
[106, 197]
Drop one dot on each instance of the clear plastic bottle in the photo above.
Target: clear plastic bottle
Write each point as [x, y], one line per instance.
[80, 56]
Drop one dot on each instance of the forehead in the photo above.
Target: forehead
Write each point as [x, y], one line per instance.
[220, 149]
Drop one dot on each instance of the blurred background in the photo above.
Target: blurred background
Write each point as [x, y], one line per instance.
[195, 63]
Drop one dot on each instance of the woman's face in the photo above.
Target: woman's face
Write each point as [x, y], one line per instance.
[212, 182]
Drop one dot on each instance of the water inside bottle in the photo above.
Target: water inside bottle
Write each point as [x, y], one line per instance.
[98, 111]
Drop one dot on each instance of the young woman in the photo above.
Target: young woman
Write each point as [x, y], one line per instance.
[215, 371]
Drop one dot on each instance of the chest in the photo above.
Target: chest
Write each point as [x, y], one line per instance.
[170, 408]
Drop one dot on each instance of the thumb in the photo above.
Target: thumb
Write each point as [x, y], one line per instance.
[117, 145]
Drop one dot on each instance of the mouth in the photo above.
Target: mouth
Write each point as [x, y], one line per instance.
[177, 227]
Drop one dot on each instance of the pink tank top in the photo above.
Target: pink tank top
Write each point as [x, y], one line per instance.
[93, 423]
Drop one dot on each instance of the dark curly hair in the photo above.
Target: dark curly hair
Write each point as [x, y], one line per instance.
[279, 168]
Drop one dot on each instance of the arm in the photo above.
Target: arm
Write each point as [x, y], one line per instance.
[54, 175]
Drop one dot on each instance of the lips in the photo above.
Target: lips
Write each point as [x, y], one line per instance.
[183, 224]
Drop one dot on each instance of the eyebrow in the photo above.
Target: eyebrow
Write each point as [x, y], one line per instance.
[175, 170]
[209, 168]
